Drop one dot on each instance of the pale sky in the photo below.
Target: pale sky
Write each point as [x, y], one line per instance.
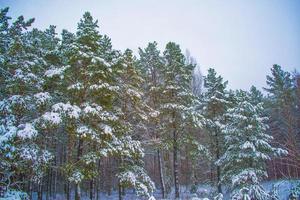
[241, 39]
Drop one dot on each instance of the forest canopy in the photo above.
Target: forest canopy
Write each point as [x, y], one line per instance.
[80, 119]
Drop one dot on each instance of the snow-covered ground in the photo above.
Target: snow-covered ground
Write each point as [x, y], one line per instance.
[203, 192]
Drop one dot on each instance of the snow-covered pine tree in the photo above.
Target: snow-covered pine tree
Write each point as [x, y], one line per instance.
[88, 112]
[151, 64]
[281, 106]
[85, 108]
[133, 118]
[177, 104]
[130, 99]
[215, 104]
[248, 147]
[43, 48]
[196, 147]
[23, 63]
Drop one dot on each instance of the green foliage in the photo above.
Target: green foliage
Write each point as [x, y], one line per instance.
[248, 146]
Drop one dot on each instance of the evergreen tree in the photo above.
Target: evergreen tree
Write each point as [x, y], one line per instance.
[280, 85]
[215, 104]
[76, 115]
[247, 149]
[281, 106]
[177, 104]
[133, 117]
[88, 112]
[151, 65]
[23, 99]
[255, 95]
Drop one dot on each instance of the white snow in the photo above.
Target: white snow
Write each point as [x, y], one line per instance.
[86, 131]
[42, 98]
[76, 86]
[92, 109]
[104, 86]
[52, 118]
[56, 72]
[106, 129]
[76, 177]
[134, 93]
[154, 114]
[27, 131]
[71, 111]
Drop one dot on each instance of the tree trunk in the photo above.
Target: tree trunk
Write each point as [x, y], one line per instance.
[219, 179]
[175, 164]
[47, 189]
[92, 189]
[211, 174]
[97, 189]
[40, 191]
[67, 190]
[79, 154]
[48, 186]
[120, 191]
[55, 184]
[218, 167]
[98, 181]
[274, 169]
[161, 175]
[77, 191]
[30, 190]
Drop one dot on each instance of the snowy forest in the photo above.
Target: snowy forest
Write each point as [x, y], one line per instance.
[82, 120]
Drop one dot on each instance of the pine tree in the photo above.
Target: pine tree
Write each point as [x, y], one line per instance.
[247, 149]
[88, 111]
[177, 103]
[23, 99]
[282, 109]
[255, 95]
[133, 117]
[215, 104]
[151, 64]
[280, 85]
[86, 107]
[42, 46]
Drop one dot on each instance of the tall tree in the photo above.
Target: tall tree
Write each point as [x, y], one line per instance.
[87, 101]
[133, 117]
[215, 104]
[151, 64]
[177, 103]
[248, 147]
[281, 107]
[23, 63]
[88, 111]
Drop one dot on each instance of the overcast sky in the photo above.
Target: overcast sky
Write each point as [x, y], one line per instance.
[240, 39]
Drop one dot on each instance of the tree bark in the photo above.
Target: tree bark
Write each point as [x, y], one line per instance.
[98, 181]
[67, 190]
[120, 191]
[30, 190]
[40, 191]
[79, 154]
[161, 175]
[218, 167]
[48, 184]
[175, 164]
[55, 184]
[92, 189]
[77, 191]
